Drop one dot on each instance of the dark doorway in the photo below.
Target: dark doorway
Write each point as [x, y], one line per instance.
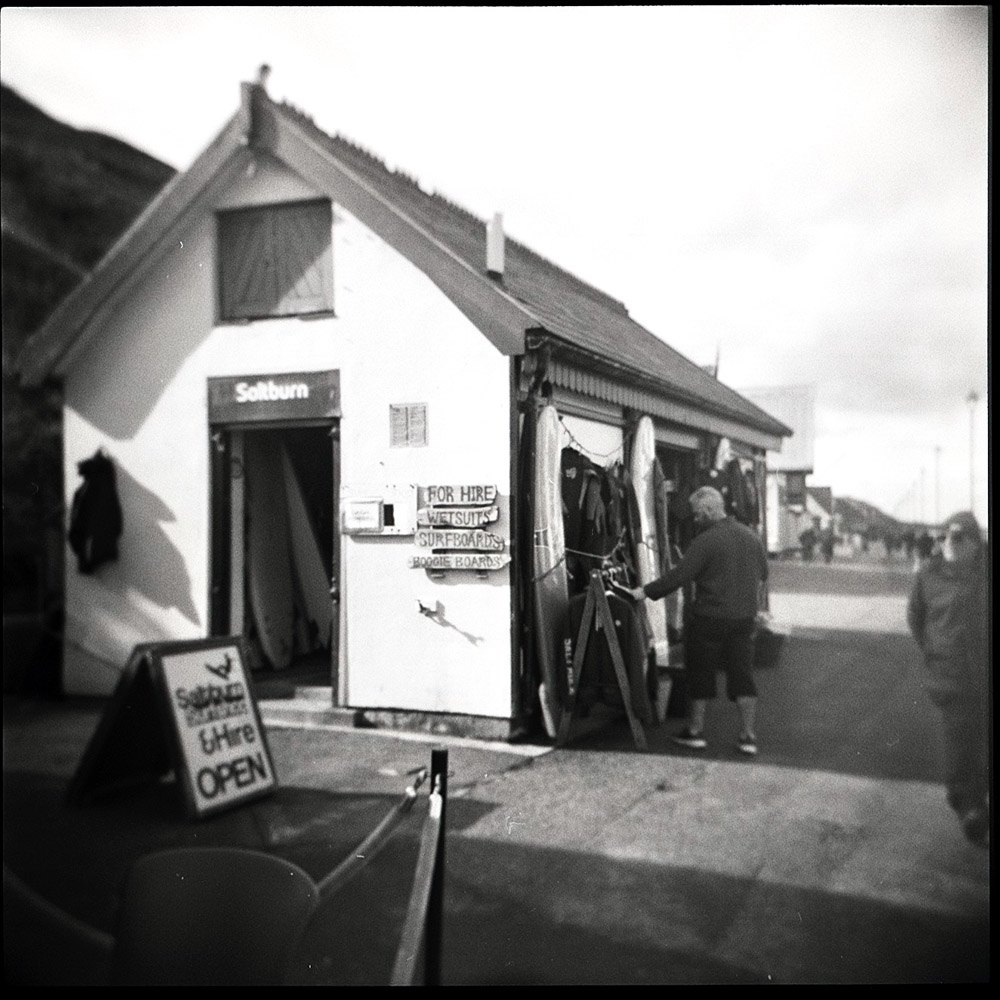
[274, 566]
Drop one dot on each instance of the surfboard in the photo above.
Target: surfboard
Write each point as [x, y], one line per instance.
[269, 573]
[668, 559]
[551, 580]
[647, 554]
[311, 577]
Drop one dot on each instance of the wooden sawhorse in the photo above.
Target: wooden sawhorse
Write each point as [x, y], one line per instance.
[596, 613]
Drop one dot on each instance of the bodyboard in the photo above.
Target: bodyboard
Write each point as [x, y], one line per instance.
[551, 580]
[310, 575]
[268, 567]
[647, 555]
[674, 601]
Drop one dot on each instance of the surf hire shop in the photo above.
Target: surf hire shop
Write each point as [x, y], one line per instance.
[318, 388]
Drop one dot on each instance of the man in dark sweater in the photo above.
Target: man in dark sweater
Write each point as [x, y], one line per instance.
[727, 564]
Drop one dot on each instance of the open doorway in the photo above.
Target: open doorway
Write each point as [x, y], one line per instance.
[274, 553]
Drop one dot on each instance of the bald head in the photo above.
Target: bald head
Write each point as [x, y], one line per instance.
[707, 504]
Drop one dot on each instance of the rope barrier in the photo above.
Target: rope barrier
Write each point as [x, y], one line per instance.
[407, 954]
[56, 920]
[372, 844]
[603, 557]
[550, 570]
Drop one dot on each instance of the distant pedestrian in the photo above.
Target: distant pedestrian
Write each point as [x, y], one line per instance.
[948, 615]
[923, 549]
[727, 564]
[826, 544]
[808, 542]
[891, 542]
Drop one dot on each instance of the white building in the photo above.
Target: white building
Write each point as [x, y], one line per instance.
[788, 504]
[290, 358]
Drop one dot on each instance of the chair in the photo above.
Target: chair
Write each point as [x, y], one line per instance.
[207, 916]
[204, 916]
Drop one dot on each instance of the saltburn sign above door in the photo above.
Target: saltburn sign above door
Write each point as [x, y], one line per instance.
[246, 399]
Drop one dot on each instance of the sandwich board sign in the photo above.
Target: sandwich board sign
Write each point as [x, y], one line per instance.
[186, 707]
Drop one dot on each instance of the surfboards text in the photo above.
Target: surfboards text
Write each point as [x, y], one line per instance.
[472, 560]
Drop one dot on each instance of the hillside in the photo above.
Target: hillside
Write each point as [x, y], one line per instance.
[66, 195]
[857, 516]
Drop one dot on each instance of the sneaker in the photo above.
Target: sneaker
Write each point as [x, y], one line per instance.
[693, 741]
[747, 745]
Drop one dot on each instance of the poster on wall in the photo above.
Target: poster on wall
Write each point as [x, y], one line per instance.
[185, 707]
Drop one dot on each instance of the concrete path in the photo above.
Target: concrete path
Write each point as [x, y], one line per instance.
[831, 858]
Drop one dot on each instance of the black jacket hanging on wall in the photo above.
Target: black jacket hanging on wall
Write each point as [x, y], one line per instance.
[95, 523]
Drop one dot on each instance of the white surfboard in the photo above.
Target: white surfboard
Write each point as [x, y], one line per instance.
[551, 580]
[647, 555]
[268, 568]
[310, 575]
[669, 554]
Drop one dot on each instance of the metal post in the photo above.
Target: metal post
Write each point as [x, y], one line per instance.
[434, 940]
[937, 484]
[972, 399]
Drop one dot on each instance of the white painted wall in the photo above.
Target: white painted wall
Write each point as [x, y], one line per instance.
[139, 390]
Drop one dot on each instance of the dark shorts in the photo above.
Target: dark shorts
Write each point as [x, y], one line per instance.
[714, 644]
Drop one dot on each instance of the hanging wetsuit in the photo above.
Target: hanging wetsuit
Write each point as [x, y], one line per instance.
[737, 496]
[96, 515]
[583, 516]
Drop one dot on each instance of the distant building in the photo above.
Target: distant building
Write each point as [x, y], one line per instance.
[790, 507]
[819, 501]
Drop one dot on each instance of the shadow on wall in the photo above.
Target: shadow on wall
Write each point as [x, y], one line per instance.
[149, 562]
[126, 370]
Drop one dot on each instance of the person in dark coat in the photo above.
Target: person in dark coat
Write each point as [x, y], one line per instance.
[727, 564]
[948, 615]
[808, 542]
[827, 543]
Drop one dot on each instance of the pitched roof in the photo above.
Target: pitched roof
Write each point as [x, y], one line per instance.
[565, 306]
[444, 239]
[823, 495]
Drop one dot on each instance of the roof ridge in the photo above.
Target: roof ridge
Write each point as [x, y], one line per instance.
[438, 196]
[592, 290]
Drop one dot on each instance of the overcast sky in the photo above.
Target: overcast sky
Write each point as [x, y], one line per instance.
[802, 189]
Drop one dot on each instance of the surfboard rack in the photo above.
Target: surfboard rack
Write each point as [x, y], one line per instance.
[597, 615]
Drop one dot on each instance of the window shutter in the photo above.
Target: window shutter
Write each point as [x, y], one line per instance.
[276, 261]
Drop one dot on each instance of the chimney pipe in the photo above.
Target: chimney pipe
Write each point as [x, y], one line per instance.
[495, 246]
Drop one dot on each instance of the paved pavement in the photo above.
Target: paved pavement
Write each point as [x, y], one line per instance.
[831, 858]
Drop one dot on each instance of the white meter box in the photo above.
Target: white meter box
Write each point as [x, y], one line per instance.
[383, 510]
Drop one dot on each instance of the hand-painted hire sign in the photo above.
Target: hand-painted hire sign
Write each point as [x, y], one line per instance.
[456, 517]
[220, 736]
[185, 707]
[457, 539]
[450, 522]
[243, 399]
[460, 560]
[467, 495]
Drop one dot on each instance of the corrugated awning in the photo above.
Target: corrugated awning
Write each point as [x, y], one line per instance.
[599, 386]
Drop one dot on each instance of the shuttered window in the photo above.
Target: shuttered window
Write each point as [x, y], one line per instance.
[275, 260]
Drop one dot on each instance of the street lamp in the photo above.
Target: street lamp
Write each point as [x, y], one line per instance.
[937, 484]
[972, 399]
